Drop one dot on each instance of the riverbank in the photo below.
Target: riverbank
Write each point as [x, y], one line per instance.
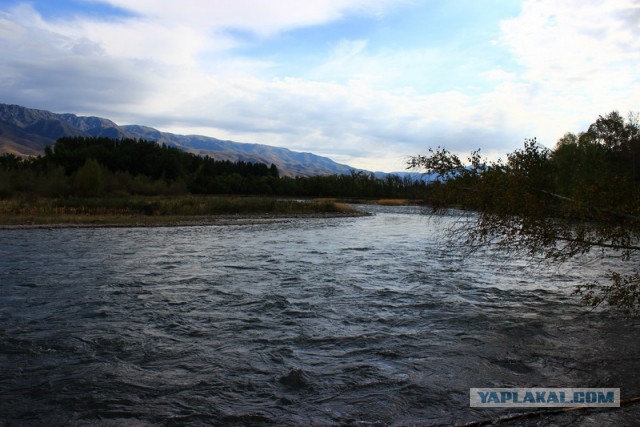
[141, 211]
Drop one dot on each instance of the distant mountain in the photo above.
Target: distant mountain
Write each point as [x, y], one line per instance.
[289, 162]
[26, 131]
[414, 176]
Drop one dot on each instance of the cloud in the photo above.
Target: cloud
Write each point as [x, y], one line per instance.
[180, 66]
[261, 17]
[43, 67]
[577, 58]
[351, 122]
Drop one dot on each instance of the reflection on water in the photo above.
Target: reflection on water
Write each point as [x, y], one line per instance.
[326, 321]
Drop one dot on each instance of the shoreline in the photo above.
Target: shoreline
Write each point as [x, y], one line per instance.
[168, 221]
[162, 211]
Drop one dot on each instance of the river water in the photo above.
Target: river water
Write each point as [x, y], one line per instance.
[377, 320]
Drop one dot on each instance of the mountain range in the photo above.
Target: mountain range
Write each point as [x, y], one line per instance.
[26, 132]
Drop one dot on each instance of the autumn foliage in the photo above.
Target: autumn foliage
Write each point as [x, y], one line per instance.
[581, 196]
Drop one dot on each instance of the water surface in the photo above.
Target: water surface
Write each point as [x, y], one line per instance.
[375, 320]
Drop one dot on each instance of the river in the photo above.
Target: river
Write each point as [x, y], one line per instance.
[377, 320]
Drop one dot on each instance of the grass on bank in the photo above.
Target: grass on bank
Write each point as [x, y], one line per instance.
[382, 202]
[145, 210]
[395, 202]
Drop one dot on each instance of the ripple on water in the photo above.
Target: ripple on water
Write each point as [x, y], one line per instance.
[336, 321]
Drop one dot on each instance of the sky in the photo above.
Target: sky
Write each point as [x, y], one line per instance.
[367, 83]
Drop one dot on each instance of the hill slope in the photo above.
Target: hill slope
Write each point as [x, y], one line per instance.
[26, 131]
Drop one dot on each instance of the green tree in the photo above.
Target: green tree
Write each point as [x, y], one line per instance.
[582, 196]
[53, 182]
[273, 171]
[88, 181]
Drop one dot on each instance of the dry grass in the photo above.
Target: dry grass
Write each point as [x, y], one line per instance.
[394, 202]
[157, 210]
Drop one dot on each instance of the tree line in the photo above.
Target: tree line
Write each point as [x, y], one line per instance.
[96, 167]
[582, 195]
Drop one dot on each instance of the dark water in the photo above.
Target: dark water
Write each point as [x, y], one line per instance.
[365, 321]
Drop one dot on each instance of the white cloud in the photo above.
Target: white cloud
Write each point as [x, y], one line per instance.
[42, 67]
[352, 122]
[172, 65]
[579, 59]
[262, 17]
[499, 75]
